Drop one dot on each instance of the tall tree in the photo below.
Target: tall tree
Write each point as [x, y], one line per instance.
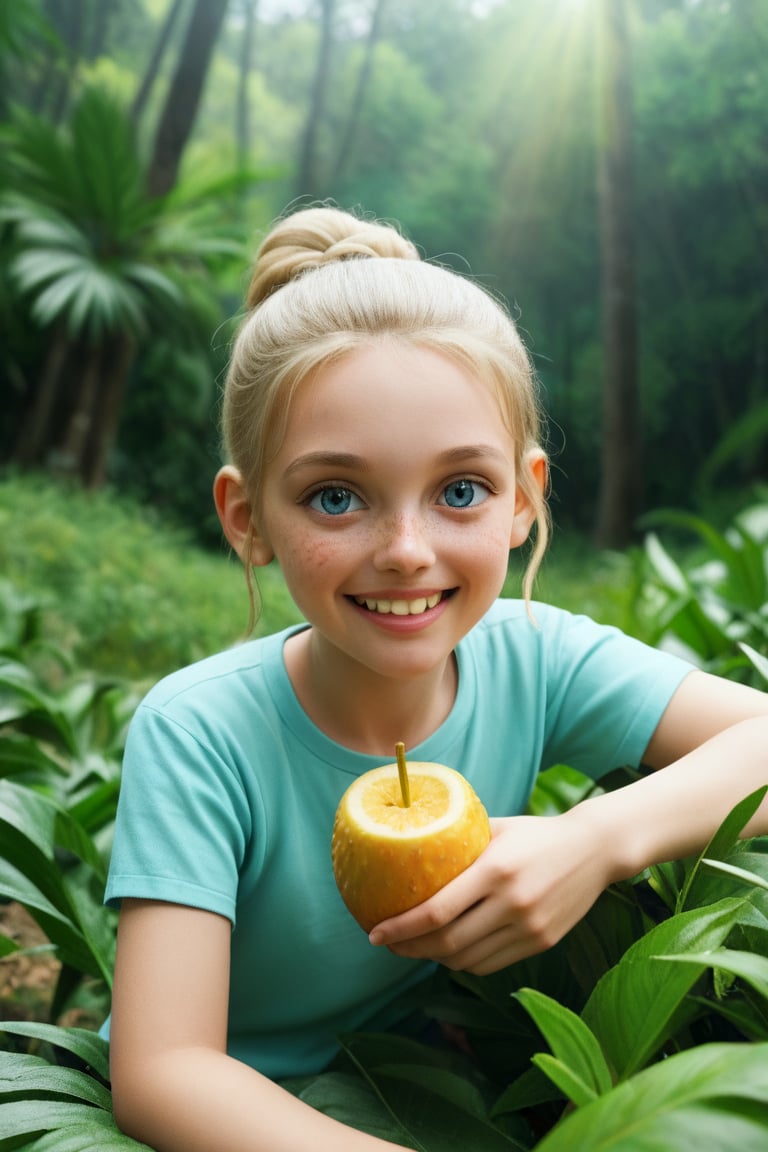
[183, 100]
[620, 483]
[361, 88]
[156, 59]
[307, 176]
[243, 124]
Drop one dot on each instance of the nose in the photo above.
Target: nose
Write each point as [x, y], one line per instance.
[404, 544]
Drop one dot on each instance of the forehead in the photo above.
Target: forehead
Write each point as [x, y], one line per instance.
[392, 395]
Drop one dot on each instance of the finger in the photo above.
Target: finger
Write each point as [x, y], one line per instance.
[447, 905]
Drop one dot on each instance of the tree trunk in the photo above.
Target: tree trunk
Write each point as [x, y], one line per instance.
[620, 484]
[183, 99]
[153, 68]
[307, 177]
[243, 122]
[38, 428]
[361, 88]
[86, 367]
[117, 359]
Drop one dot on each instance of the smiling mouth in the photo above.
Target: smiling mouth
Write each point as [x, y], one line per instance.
[400, 607]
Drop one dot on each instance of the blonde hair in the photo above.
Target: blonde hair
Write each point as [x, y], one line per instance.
[325, 283]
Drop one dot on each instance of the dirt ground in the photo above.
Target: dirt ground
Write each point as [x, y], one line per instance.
[28, 979]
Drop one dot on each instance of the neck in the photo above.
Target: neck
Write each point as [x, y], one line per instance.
[362, 710]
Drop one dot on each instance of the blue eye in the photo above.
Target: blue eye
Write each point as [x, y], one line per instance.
[464, 494]
[334, 501]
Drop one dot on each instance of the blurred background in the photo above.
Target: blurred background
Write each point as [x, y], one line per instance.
[602, 165]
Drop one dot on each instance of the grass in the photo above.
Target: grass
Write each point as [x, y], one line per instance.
[124, 592]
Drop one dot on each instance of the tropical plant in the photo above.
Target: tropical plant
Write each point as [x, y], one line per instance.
[715, 607]
[647, 1022]
[61, 740]
[101, 266]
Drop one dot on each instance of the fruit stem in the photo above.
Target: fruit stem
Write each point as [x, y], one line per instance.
[402, 772]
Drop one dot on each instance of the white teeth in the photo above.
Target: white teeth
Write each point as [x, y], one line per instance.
[400, 607]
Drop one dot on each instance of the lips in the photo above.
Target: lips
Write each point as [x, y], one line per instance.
[396, 607]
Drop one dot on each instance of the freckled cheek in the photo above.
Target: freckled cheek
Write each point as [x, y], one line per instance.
[310, 555]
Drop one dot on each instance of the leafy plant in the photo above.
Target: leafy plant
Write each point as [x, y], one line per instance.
[648, 1022]
[716, 608]
[119, 589]
[100, 266]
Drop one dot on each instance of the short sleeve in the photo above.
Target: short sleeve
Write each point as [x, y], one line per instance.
[606, 693]
[183, 823]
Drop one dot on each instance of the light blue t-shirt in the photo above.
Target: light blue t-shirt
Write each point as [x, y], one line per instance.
[229, 793]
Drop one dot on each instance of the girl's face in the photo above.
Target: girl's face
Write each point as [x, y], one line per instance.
[391, 507]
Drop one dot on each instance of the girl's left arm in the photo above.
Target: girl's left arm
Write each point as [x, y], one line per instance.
[540, 875]
[712, 742]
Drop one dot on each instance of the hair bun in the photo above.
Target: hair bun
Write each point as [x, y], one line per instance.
[317, 236]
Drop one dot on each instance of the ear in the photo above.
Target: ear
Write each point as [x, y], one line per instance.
[235, 513]
[535, 464]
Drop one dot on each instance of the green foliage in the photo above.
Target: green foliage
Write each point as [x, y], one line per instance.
[139, 597]
[50, 1108]
[715, 608]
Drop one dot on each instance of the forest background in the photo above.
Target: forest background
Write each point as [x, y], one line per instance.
[599, 164]
[602, 166]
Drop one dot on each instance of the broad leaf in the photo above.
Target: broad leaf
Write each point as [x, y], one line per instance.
[86, 1045]
[760, 662]
[27, 1077]
[749, 967]
[713, 1097]
[638, 1004]
[738, 873]
[31, 1117]
[724, 839]
[85, 1138]
[572, 1043]
[435, 1116]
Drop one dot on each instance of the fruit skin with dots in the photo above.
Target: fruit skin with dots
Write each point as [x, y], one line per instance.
[388, 858]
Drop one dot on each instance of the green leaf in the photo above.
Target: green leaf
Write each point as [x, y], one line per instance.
[7, 946]
[638, 1004]
[86, 1045]
[748, 966]
[57, 925]
[739, 873]
[85, 1138]
[564, 1078]
[20, 753]
[429, 1111]
[668, 572]
[529, 1089]
[572, 1042]
[711, 1097]
[725, 838]
[352, 1101]
[760, 662]
[33, 1075]
[31, 1117]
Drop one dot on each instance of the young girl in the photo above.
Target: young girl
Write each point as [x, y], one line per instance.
[381, 424]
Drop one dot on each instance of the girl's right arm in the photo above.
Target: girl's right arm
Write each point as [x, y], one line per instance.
[173, 1085]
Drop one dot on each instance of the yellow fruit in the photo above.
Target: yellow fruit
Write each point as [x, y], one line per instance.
[388, 857]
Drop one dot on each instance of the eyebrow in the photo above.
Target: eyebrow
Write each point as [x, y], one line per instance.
[348, 460]
[327, 460]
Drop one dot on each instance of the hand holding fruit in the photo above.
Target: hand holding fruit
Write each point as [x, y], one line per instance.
[537, 878]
